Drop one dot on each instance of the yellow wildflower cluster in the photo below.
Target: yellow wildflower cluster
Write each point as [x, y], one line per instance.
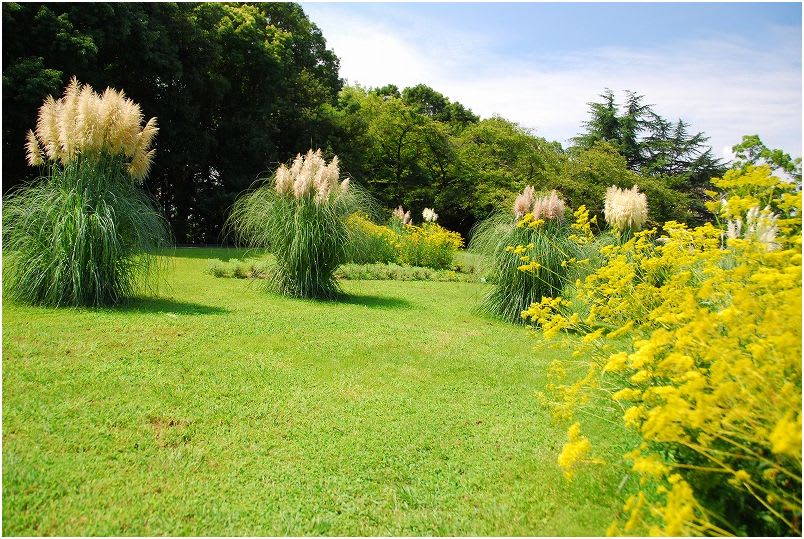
[529, 221]
[755, 189]
[575, 451]
[376, 243]
[581, 227]
[696, 338]
[83, 123]
[429, 245]
[362, 222]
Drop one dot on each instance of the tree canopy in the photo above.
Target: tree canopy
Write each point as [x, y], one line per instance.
[240, 87]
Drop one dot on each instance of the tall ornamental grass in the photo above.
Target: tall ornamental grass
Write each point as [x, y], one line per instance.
[399, 218]
[300, 215]
[531, 252]
[83, 233]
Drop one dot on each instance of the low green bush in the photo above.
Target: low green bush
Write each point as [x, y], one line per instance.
[396, 272]
[248, 269]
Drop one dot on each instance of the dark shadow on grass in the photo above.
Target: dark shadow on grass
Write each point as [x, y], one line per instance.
[375, 302]
[166, 305]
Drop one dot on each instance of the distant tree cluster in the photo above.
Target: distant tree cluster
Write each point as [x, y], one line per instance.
[241, 87]
[653, 146]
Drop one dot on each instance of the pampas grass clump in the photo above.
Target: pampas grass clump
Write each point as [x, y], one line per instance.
[625, 210]
[81, 234]
[530, 252]
[300, 215]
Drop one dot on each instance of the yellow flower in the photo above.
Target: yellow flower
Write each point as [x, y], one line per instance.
[786, 436]
[574, 451]
[628, 394]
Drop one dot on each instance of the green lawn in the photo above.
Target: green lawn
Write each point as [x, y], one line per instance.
[222, 409]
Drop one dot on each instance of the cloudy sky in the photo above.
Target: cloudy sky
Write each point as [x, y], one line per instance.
[728, 69]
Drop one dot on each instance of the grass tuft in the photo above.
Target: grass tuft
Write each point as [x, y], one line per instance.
[303, 224]
[513, 290]
[81, 236]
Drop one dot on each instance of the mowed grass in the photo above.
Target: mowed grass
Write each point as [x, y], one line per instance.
[222, 409]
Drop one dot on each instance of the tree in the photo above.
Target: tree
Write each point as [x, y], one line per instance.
[649, 142]
[587, 173]
[752, 151]
[654, 146]
[497, 159]
[603, 124]
[438, 107]
[401, 154]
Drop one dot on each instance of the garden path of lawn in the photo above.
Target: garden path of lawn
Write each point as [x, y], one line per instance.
[227, 410]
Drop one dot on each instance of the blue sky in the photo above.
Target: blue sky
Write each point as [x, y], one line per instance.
[730, 69]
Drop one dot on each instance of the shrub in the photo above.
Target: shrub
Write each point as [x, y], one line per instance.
[219, 268]
[429, 245]
[695, 342]
[531, 253]
[371, 243]
[300, 216]
[395, 272]
[82, 234]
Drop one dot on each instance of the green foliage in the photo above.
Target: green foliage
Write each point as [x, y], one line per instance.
[649, 143]
[237, 86]
[437, 106]
[83, 235]
[586, 174]
[497, 158]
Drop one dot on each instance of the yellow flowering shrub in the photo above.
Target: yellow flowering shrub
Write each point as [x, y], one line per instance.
[429, 245]
[694, 340]
[371, 243]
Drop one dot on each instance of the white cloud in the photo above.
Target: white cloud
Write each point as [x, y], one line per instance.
[722, 86]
